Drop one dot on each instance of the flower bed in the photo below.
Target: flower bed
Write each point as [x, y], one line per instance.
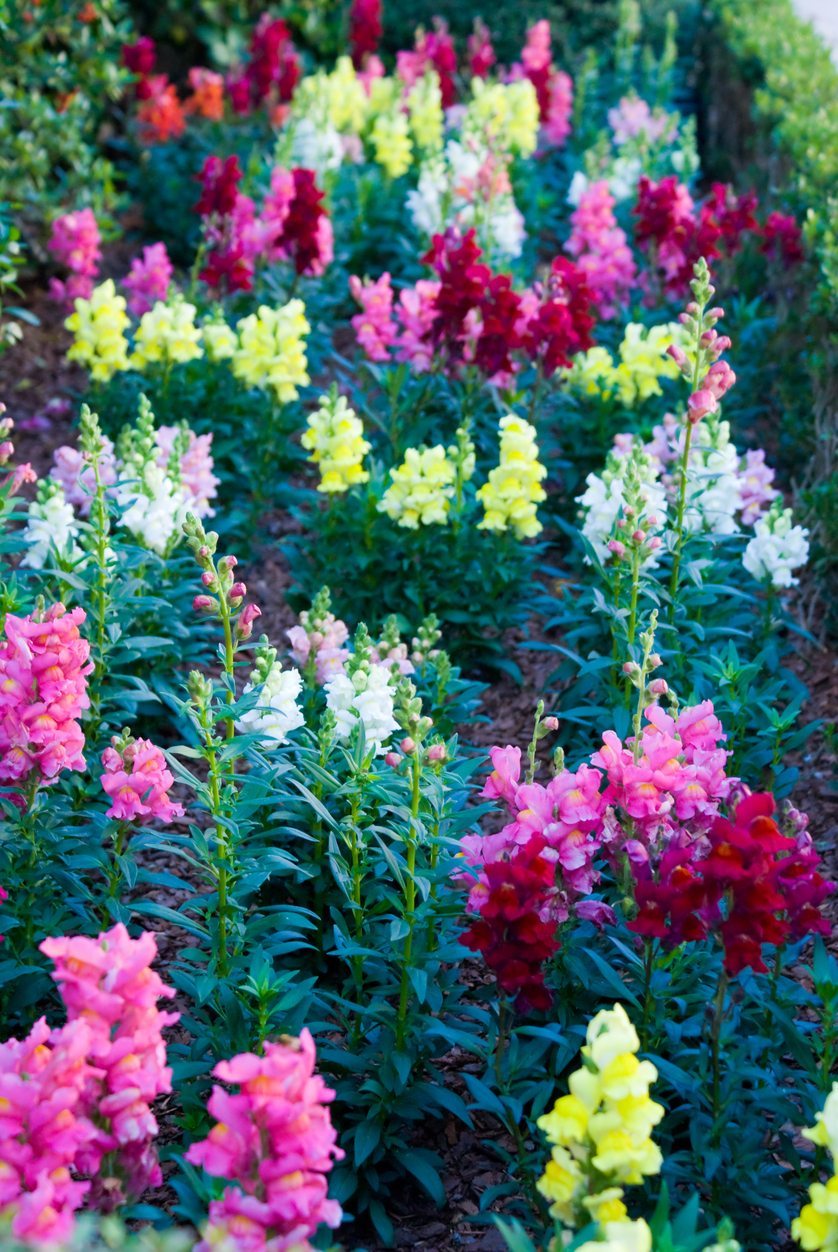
[403, 735]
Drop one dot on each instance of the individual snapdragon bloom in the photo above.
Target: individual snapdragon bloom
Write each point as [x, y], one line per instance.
[51, 530]
[777, 549]
[167, 335]
[137, 780]
[600, 1133]
[271, 351]
[513, 491]
[220, 341]
[98, 326]
[276, 712]
[421, 489]
[274, 1143]
[390, 138]
[334, 437]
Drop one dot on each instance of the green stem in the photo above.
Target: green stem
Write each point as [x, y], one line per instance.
[715, 1046]
[409, 897]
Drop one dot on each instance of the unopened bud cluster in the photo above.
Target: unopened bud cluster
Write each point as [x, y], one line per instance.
[223, 594]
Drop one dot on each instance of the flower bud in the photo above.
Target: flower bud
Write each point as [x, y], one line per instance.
[619, 549]
[678, 355]
[638, 535]
[700, 404]
[407, 745]
[550, 723]
[209, 579]
[392, 759]
[244, 626]
[203, 604]
[658, 687]
[237, 593]
[437, 752]
[655, 660]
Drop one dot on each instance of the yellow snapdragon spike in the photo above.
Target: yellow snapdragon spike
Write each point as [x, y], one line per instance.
[505, 115]
[421, 489]
[816, 1229]
[98, 326]
[167, 335]
[271, 351]
[219, 340]
[513, 489]
[391, 144]
[622, 1236]
[424, 106]
[335, 439]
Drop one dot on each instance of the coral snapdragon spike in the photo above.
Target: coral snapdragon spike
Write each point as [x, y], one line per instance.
[274, 1141]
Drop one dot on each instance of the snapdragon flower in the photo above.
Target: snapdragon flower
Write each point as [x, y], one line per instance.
[362, 695]
[777, 549]
[51, 529]
[137, 780]
[513, 491]
[390, 138]
[334, 437]
[167, 335]
[421, 489]
[271, 351]
[147, 282]
[98, 326]
[276, 712]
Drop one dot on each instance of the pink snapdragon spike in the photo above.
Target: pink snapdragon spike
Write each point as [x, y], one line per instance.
[374, 326]
[601, 250]
[44, 663]
[320, 647]
[196, 468]
[138, 780]
[416, 313]
[108, 985]
[633, 119]
[78, 482]
[677, 776]
[75, 243]
[275, 1143]
[556, 123]
[756, 486]
[148, 279]
[44, 1129]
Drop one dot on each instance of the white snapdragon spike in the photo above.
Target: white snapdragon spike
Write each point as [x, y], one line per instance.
[155, 508]
[51, 531]
[604, 498]
[714, 492]
[277, 712]
[425, 202]
[505, 228]
[316, 146]
[366, 698]
[777, 549]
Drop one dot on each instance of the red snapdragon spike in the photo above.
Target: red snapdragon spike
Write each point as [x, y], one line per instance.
[510, 934]
[562, 325]
[463, 280]
[301, 230]
[140, 57]
[499, 336]
[273, 63]
[228, 270]
[220, 181]
[781, 237]
[481, 54]
[364, 30]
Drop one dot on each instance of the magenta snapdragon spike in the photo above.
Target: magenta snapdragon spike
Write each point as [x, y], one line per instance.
[137, 780]
[374, 327]
[148, 279]
[600, 248]
[75, 243]
[275, 1143]
[44, 663]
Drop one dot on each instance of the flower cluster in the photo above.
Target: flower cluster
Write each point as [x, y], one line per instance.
[511, 494]
[601, 250]
[273, 1141]
[318, 641]
[276, 712]
[98, 325]
[746, 882]
[777, 549]
[51, 530]
[43, 693]
[334, 438]
[553, 88]
[816, 1229]
[108, 985]
[600, 1134]
[148, 279]
[271, 72]
[362, 696]
[167, 335]
[137, 780]
[643, 361]
[421, 488]
[74, 242]
[364, 30]
[271, 350]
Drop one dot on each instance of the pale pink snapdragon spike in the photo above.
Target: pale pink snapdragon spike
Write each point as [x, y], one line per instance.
[196, 468]
[374, 326]
[632, 118]
[108, 985]
[44, 663]
[416, 312]
[275, 210]
[275, 1144]
[44, 1130]
[75, 243]
[138, 780]
[601, 250]
[323, 645]
[78, 482]
[373, 68]
[755, 486]
[148, 279]
[503, 782]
